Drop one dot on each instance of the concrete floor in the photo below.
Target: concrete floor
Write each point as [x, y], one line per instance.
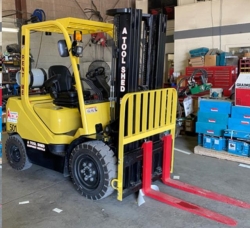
[46, 190]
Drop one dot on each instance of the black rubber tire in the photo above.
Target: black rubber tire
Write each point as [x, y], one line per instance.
[16, 153]
[93, 182]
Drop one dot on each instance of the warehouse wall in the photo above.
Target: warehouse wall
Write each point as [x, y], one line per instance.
[142, 4]
[8, 37]
[44, 48]
[45, 52]
[7, 8]
[214, 24]
[58, 8]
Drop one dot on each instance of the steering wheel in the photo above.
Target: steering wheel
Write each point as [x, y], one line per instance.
[92, 73]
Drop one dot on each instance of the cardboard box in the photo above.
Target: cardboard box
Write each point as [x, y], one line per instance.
[196, 61]
[210, 60]
[247, 55]
[195, 104]
[190, 125]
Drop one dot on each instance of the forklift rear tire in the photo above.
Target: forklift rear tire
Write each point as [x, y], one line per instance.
[92, 166]
[16, 153]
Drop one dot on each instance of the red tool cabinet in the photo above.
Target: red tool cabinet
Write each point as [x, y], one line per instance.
[220, 76]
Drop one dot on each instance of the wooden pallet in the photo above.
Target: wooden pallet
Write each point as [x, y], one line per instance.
[221, 155]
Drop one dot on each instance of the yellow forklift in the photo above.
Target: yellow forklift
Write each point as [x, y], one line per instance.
[96, 140]
[119, 137]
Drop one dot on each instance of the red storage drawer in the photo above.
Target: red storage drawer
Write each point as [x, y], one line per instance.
[220, 76]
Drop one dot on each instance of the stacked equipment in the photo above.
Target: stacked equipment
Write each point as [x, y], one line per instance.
[224, 127]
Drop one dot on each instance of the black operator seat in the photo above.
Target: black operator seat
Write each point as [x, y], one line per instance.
[61, 87]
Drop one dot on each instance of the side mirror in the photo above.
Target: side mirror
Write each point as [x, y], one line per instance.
[62, 48]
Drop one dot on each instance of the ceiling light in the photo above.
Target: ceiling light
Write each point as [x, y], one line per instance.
[10, 29]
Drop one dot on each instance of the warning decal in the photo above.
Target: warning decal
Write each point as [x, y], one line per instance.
[35, 145]
[91, 110]
[12, 116]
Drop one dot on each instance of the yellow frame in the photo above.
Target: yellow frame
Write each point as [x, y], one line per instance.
[149, 113]
[66, 26]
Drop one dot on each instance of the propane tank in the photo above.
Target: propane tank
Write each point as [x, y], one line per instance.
[37, 77]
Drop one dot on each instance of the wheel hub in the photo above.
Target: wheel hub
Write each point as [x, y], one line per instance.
[15, 154]
[88, 172]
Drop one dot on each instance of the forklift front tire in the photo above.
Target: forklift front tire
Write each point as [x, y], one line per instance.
[16, 153]
[92, 167]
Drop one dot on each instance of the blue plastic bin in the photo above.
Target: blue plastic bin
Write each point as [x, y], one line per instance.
[222, 58]
[210, 129]
[198, 52]
[214, 143]
[239, 124]
[215, 106]
[237, 134]
[207, 141]
[239, 112]
[216, 118]
[200, 139]
[238, 148]
[219, 143]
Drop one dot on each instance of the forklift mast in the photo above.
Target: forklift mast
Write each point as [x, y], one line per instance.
[137, 66]
[138, 54]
